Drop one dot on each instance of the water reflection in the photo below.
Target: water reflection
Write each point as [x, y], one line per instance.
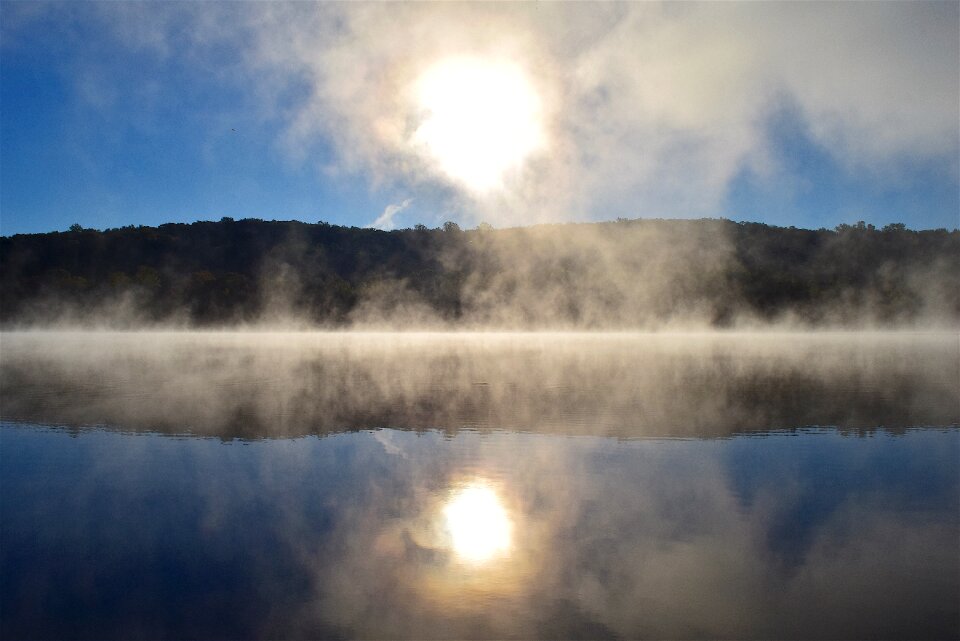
[477, 523]
[514, 501]
[806, 535]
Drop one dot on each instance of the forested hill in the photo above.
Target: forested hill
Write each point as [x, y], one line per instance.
[624, 274]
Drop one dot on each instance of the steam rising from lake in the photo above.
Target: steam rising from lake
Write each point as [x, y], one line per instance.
[629, 385]
[456, 485]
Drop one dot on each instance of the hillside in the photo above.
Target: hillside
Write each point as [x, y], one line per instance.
[625, 274]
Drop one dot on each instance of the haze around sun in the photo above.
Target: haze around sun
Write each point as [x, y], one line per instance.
[481, 119]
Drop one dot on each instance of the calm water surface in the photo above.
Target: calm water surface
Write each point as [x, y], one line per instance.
[465, 486]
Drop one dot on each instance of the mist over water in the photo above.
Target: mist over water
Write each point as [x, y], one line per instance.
[502, 373]
[489, 485]
[627, 385]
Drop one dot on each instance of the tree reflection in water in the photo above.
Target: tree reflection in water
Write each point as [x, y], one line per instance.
[534, 488]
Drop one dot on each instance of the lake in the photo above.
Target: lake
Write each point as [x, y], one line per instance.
[454, 485]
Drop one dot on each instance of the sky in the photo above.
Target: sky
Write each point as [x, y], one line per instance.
[390, 115]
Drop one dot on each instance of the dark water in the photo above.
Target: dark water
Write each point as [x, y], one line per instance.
[511, 486]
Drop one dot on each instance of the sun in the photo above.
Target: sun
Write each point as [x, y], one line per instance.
[478, 525]
[480, 120]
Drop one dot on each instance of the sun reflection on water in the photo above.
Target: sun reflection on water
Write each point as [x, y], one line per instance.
[477, 522]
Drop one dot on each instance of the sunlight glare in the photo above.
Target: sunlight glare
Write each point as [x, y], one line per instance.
[481, 120]
[478, 524]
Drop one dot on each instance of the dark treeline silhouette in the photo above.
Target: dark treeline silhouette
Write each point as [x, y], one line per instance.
[628, 273]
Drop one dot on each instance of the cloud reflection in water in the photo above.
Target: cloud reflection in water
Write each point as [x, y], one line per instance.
[804, 533]
[810, 534]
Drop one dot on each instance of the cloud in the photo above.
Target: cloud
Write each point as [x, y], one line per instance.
[385, 220]
[649, 109]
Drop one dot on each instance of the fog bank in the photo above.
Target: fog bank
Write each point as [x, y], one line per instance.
[628, 385]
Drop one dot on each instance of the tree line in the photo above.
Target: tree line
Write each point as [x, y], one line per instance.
[622, 274]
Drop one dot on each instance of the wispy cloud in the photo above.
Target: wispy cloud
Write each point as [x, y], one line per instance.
[650, 108]
[385, 221]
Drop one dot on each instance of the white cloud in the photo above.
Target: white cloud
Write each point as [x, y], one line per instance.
[651, 109]
[385, 220]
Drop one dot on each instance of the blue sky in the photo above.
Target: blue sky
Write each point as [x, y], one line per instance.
[137, 113]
